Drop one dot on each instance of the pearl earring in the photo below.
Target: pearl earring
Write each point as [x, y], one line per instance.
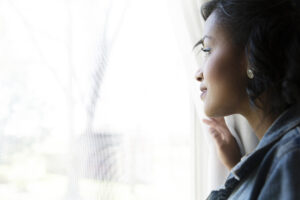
[250, 73]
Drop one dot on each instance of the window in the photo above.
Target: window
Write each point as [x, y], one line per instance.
[90, 112]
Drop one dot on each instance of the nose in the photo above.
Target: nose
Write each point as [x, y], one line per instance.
[199, 75]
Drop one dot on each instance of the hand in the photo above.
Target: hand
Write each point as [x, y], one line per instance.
[227, 147]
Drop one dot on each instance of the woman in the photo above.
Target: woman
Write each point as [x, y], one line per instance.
[252, 68]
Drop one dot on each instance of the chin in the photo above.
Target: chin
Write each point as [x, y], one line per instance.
[217, 111]
[208, 113]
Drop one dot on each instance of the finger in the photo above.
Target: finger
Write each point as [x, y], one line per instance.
[218, 139]
[220, 128]
[225, 132]
[213, 131]
[209, 122]
[216, 135]
[219, 120]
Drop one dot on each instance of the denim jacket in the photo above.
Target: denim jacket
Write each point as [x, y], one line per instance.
[272, 170]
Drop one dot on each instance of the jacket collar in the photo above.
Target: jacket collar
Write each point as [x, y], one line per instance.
[285, 122]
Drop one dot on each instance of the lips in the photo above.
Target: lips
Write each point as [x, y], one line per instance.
[203, 94]
[203, 91]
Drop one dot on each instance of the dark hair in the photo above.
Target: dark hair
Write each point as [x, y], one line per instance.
[269, 33]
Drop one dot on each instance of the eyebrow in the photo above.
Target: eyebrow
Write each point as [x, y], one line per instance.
[201, 41]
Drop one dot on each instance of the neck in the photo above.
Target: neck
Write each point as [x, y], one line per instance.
[258, 120]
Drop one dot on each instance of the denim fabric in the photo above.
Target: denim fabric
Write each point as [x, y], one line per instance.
[272, 170]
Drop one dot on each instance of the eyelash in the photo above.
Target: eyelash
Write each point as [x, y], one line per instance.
[206, 50]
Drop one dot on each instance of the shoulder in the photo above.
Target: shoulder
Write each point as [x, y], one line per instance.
[286, 149]
[288, 144]
[283, 179]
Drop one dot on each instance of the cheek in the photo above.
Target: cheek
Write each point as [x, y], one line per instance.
[221, 71]
[223, 76]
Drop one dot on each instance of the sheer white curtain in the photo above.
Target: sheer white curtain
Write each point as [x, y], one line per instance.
[188, 25]
[95, 102]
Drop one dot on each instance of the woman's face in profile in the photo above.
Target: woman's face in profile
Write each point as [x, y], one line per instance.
[223, 72]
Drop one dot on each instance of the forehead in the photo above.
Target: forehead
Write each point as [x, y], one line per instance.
[213, 29]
